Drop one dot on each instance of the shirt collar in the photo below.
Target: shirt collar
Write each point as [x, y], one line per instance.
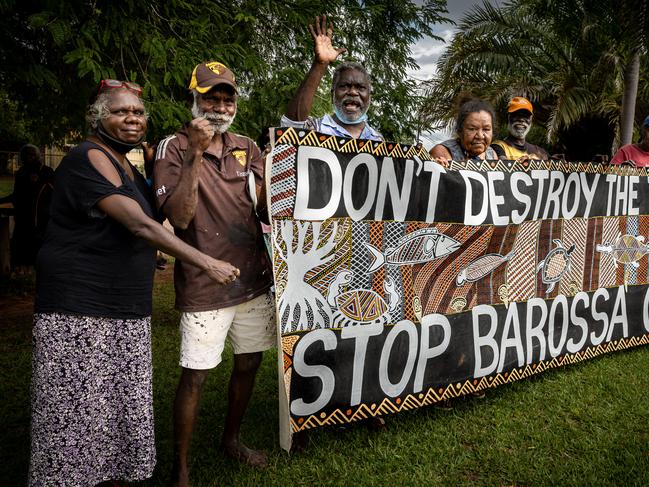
[367, 133]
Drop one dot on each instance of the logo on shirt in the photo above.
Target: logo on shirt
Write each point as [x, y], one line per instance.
[161, 190]
[240, 156]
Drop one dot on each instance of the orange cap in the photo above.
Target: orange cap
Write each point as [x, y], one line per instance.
[519, 103]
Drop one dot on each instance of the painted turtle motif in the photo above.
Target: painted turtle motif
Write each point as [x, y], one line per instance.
[555, 264]
[627, 249]
[360, 306]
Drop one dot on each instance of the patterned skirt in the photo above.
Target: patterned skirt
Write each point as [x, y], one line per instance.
[92, 408]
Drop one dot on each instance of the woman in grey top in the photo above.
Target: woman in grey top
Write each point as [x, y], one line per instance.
[474, 131]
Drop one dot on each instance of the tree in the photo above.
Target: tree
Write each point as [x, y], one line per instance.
[627, 22]
[53, 54]
[567, 56]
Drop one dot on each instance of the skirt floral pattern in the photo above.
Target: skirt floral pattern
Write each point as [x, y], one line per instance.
[92, 408]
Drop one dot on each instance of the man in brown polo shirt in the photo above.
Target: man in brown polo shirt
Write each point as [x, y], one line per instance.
[201, 180]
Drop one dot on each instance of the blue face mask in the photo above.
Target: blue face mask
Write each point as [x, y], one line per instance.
[346, 121]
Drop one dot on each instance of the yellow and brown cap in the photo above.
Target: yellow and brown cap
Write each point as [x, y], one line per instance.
[207, 75]
[519, 103]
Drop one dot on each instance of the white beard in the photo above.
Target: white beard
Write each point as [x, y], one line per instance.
[220, 123]
[517, 133]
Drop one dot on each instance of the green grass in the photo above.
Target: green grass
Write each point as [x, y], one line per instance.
[6, 185]
[587, 424]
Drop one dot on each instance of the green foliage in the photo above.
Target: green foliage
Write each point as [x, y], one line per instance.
[567, 56]
[53, 54]
[12, 122]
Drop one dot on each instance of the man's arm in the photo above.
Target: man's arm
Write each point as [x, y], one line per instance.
[543, 154]
[441, 155]
[180, 206]
[324, 53]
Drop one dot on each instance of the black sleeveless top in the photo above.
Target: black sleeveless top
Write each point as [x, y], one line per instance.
[89, 263]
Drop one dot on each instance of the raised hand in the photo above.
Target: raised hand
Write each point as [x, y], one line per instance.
[325, 53]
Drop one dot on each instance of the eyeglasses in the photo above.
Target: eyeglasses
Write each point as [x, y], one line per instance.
[107, 84]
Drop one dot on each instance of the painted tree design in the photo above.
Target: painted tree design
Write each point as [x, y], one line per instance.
[301, 306]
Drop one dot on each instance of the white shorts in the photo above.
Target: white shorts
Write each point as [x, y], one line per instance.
[250, 326]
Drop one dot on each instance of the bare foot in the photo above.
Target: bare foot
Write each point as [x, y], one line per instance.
[179, 478]
[241, 453]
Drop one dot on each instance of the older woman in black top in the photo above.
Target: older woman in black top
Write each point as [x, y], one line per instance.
[92, 416]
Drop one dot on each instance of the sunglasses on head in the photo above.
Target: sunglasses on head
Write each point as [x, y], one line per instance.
[107, 84]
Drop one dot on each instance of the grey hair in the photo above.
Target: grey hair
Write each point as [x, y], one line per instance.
[26, 148]
[98, 110]
[473, 105]
[346, 66]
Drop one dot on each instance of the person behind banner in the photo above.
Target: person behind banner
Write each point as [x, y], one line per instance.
[350, 92]
[636, 153]
[202, 178]
[31, 199]
[92, 408]
[519, 122]
[474, 130]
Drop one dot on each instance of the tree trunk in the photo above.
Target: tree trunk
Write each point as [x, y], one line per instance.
[631, 77]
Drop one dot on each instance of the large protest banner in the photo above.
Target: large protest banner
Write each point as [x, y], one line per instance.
[400, 283]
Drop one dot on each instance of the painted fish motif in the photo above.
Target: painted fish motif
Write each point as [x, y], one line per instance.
[482, 266]
[627, 249]
[415, 248]
[555, 265]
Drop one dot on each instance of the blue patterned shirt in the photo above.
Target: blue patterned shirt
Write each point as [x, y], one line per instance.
[327, 125]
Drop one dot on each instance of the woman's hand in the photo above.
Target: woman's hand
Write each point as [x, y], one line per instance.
[221, 272]
[442, 161]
